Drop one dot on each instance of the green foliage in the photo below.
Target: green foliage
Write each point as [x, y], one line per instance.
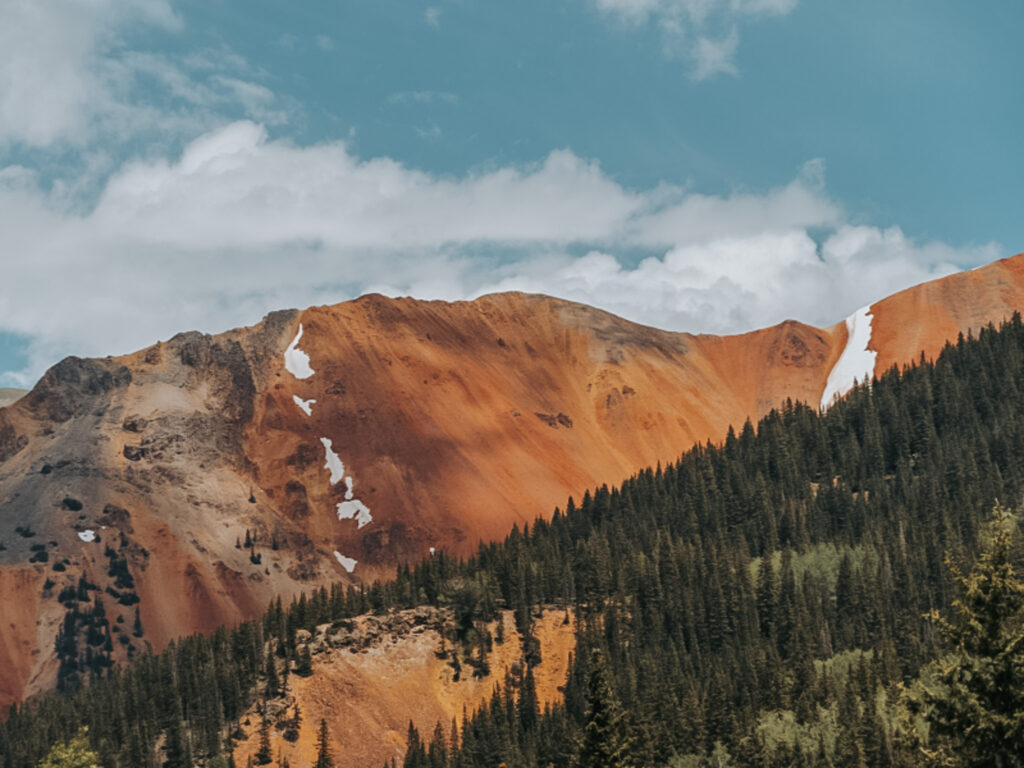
[605, 743]
[73, 754]
[975, 709]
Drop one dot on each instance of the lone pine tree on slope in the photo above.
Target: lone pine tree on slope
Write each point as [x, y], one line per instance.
[323, 749]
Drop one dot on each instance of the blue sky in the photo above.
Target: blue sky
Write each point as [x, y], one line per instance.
[701, 165]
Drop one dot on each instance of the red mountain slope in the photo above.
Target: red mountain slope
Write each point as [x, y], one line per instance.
[453, 421]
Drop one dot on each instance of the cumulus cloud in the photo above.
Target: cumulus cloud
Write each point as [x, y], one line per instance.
[238, 224]
[703, 32]
[52, 80]
[69, 76]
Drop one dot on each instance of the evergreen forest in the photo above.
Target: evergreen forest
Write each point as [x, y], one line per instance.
[829, 589]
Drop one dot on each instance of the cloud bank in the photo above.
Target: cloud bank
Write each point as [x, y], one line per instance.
[218, 223]
[237, 224]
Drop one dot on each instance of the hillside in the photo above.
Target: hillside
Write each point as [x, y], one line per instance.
[761, 602]
[344, 440]
[393, 677]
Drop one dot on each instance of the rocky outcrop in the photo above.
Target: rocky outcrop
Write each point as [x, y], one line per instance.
[74, 386]
[10, 441]
[365, 632]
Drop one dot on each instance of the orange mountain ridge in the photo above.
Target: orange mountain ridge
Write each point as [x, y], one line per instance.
[429, 425]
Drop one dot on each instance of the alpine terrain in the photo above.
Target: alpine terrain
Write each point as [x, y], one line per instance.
[189, 483]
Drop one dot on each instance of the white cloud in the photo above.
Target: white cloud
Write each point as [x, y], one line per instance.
[703, 32]
[53, 77]
[69, 77]
[728, 284]
[712, 57]
[237, 225]
[433, 17]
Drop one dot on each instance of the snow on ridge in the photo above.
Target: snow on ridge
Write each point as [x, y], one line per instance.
[856, 363]
[87, 535]
[295, 360]
[348, 563]
[305, 405]
[349, 488]
[333, 462]
[347, 510]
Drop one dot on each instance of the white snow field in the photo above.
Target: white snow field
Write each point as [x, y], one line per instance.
[856, 363]
[87, 536]
[295, 360]
[347, 563]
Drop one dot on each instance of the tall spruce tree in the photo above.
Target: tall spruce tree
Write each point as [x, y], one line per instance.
[976, 710]
[605, 742]
[323, 747]
[264, 755]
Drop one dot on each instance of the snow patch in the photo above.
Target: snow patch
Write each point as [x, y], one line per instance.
[333, 463]
[347, 510]
[305, 405]
[87, 536]
[295, 360]
[856, 363]
[348, 563]
[351, 508]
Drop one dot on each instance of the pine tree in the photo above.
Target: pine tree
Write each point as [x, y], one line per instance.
[977, 710]
[605, 744]
[323, 747]
[273, 682]
[179, 755]
[264, 754]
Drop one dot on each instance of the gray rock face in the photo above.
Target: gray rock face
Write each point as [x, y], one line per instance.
[364, 632]
[74, 386]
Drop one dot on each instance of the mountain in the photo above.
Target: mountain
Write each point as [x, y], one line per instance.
[343, 440]
[10, 396]
[772, 600]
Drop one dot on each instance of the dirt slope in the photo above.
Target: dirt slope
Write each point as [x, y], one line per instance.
[446, 423]
[368, 696]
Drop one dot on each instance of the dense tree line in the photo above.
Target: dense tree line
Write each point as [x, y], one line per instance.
[762, 602]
